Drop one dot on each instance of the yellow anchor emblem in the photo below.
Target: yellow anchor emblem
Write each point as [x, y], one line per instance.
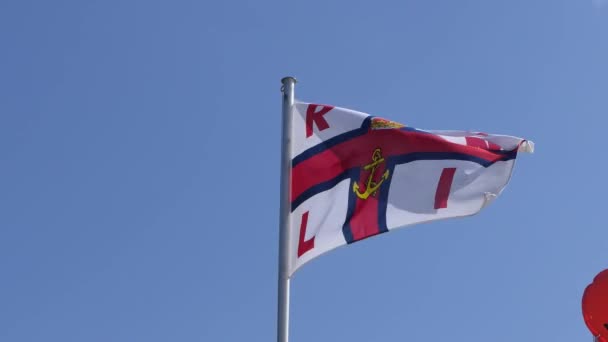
[371, 188]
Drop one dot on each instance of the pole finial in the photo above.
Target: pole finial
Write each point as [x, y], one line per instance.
[288, 79]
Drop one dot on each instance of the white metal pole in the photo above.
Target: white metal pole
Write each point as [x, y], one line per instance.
[288, 90]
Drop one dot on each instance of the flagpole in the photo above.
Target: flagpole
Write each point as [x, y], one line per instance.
[288, 90]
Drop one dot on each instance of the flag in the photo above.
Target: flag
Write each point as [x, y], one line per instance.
[354, 176]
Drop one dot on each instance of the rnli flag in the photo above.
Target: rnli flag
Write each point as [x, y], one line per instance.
[354, 176]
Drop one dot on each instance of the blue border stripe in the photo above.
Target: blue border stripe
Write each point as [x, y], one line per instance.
[383, 197]
[410, 157]
[412, 129]
[338, 139]
[329, 143]
[352, 202]
[324, 186]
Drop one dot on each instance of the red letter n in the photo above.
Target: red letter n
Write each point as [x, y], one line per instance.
[312, 116]
[304, 246]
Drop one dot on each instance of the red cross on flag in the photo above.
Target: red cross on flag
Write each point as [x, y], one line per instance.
[354, 176]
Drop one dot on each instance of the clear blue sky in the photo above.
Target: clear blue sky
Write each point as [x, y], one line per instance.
[139, 168]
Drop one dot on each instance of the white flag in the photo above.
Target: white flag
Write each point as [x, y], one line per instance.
[354, 176]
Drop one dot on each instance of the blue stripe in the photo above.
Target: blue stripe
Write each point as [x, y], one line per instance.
[329, 143]
[324, 186]
[383, 197]
[412, 129]
[410, 157]
[352, 201]
[338, 139]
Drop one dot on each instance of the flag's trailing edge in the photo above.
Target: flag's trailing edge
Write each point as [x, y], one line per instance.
[354, 176]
